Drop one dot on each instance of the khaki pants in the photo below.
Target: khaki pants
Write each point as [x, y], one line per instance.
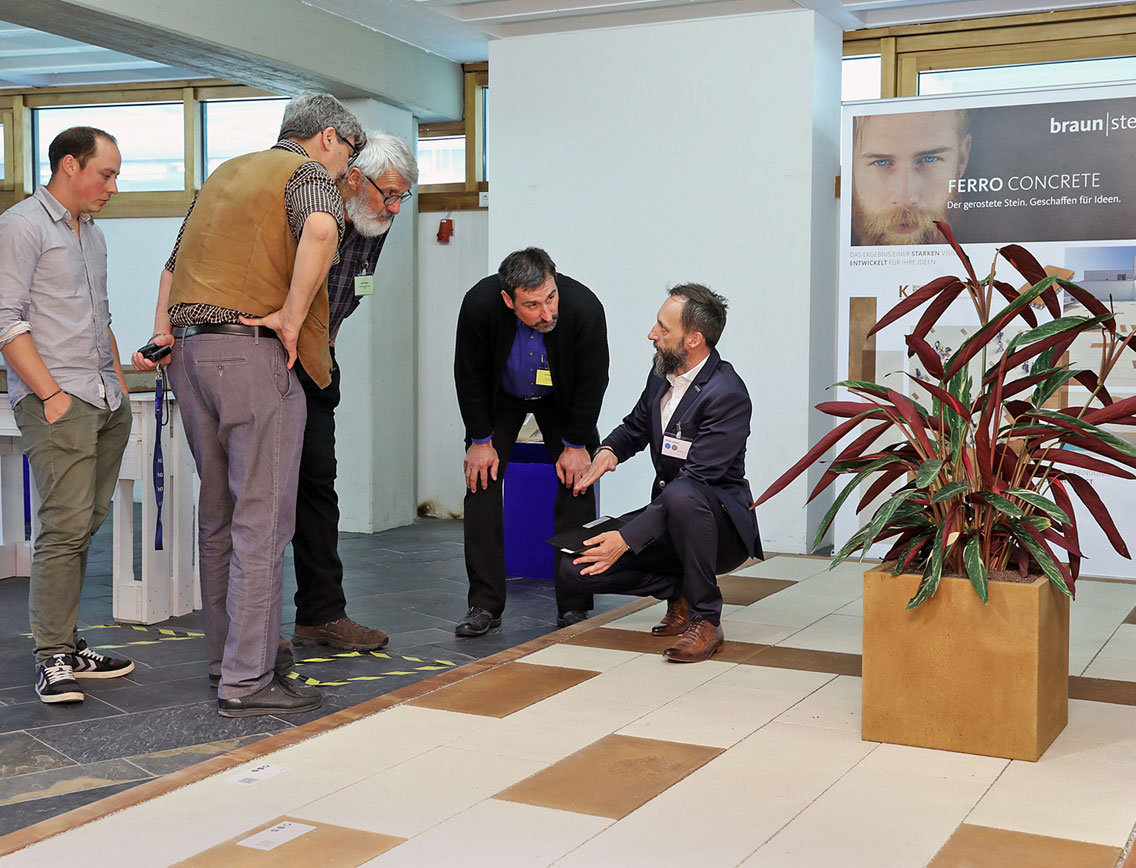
[74, 463]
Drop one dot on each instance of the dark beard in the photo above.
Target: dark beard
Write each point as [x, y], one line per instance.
[669, 361]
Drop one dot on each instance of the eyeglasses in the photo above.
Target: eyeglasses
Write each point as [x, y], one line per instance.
[393, 197]
[355, 149]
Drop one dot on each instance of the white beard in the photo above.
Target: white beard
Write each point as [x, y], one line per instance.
[365, 222]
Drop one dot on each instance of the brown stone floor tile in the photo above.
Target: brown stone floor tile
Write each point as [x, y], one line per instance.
[1102, 690]
[503, 690]
[805, 659]
[986, 847]
[744, 590]
[611, 777]
[326, 845]
[1131, 619]
[621, 640]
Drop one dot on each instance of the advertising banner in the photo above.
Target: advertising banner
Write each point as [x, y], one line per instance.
[1054, 171]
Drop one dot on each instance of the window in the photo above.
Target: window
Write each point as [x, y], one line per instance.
[235, 127]
[151, 137]
[860, 78]
[1099, 70]
[3, 173]
[441, 160]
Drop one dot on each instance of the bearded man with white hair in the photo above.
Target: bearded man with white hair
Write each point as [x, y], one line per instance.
[373, 191]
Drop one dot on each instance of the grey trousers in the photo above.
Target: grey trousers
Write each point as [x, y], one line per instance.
[244, 415]
[74, 462]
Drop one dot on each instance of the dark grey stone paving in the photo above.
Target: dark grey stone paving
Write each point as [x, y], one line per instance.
[410, 581]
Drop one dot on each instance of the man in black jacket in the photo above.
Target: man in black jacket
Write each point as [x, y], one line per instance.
[694, 417]
[529, 340]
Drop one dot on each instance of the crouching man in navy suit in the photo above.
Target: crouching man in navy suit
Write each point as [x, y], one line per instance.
[694, 416]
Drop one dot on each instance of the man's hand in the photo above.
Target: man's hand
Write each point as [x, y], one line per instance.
[55, 406]
[141, 363]
[481, 463]
[604, 462]
[605, 550]
[286, 330]
[571, 465]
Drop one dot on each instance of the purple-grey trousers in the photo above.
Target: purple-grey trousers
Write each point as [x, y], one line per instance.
[243, 413]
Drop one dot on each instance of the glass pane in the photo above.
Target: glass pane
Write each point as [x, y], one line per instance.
[860, 77]
[235, 127]
[485, 134]
[151, 137]
[2, 170]
[441, 161]
[1096, 71]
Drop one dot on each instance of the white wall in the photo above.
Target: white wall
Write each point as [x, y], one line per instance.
[704, 151]
[445, 272]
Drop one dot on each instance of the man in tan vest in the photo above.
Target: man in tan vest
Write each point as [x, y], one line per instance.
[244, 294]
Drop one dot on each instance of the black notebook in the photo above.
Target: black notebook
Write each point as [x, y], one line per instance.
[572, 541]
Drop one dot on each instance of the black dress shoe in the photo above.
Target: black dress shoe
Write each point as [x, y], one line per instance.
[275, 697]
[285, 663]
[476, 622]
[574, 616]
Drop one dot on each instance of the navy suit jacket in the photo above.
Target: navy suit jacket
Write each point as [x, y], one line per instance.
[714, 415]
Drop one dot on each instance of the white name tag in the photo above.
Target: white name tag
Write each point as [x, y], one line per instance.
[673, 447]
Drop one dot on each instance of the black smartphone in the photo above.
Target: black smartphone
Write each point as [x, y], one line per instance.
[153, 352]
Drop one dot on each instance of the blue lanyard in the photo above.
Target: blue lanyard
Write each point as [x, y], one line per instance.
[161, 386]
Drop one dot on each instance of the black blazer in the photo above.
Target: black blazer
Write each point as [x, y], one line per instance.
[577, 357]
[714, 414]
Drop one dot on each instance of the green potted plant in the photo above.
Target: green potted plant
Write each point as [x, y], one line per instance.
[979, 498]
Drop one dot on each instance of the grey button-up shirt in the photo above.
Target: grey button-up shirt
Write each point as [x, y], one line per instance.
[56, 281]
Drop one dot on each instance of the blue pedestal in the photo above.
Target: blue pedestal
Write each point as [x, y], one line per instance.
[529, 499]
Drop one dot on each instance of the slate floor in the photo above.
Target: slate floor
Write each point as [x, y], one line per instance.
[409, 581]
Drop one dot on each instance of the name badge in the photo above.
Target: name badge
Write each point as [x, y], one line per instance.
[364, 284]
[673, 447]
[543, 377]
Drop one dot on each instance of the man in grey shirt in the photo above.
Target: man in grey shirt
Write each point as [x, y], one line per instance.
[66, 387]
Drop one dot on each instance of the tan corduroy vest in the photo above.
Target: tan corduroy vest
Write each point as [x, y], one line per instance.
[238, 251]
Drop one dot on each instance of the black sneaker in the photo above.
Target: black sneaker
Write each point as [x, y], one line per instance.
[276, 697]
[570, 618]
[477, 622]
[91, 664]
[55, 681]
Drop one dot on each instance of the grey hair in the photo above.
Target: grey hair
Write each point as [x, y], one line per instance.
[309, 114]
[385, 152]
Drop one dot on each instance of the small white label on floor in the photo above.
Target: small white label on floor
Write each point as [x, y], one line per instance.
[257, 774]
[279, 834]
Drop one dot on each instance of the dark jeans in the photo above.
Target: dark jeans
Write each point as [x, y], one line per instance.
[315, 544]
[484, 514]
[700, 542]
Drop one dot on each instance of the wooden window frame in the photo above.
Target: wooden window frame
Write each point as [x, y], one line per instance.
[19, 106]
[1048, 37]
[463, 196]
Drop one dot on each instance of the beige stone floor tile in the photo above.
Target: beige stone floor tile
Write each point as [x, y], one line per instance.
[550, 730]
[1117, 659]
[649, 680]
[836, 705]
[1112, 596]
[757, 634]
[495, 834]
[1064, 796]
[937, 764]
[743, 590]
[883, 814]
[413, 796]
[855, 608]
[579, 657]
[1100, 732]
[790, 608]
[611, 777]
[738, 801]
[403, 732]
[841, 582]
[643, 620]
[842, 633]
[725, 710]
[783, 567]
[983, 847]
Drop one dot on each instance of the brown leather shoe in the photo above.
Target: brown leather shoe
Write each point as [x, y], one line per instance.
[341, 633]
[675, 621]
[701, 641]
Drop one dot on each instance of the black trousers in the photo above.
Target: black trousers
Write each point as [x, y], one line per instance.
[700, 542]
[315, 545]
[484, 514]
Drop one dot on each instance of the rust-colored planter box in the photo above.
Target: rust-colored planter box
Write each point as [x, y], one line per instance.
[954, 674]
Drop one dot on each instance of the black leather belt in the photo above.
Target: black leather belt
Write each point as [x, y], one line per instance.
[210, 328]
